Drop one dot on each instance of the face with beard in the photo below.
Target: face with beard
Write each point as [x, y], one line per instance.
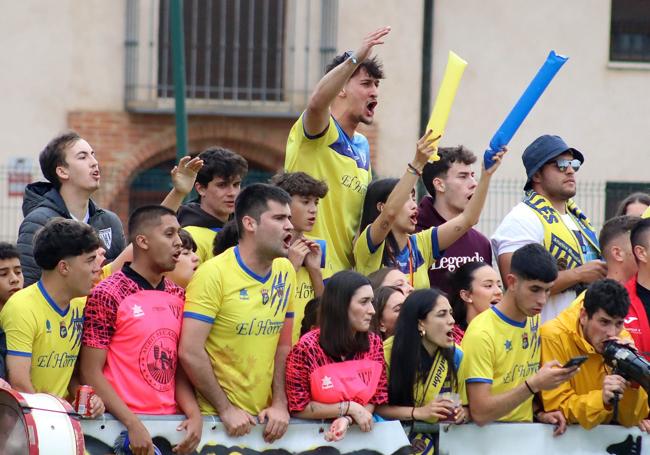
[361, 93]
[273, 231]
[553, 183]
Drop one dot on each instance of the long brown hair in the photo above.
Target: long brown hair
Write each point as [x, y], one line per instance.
[336, 335]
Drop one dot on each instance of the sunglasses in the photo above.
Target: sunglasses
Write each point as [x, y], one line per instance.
[563, 164]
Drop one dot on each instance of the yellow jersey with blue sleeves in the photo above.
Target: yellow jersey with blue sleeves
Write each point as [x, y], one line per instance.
[344, 163]
[204, 239]
[504, 353]
[305, 290]
[37, 328]
[247, 313]
[415, 260]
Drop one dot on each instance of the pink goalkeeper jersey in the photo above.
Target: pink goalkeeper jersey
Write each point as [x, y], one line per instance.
[140, 329]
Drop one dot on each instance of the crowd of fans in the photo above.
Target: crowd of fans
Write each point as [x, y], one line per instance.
[323, 295]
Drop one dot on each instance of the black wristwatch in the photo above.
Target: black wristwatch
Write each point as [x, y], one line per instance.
[349, 55]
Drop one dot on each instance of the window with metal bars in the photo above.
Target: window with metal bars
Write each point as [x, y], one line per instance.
[234, 50]
[630, 31]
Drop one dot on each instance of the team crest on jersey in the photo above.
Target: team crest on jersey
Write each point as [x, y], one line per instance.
[280, 291]
[524, 341]
[107, 237]
[63, 330]
[265, 296]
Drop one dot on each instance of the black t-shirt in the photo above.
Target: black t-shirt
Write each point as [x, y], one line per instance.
[644, 296]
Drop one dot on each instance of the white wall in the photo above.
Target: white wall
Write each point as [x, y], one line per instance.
[602, 111]
[398, 114]
[56, 57]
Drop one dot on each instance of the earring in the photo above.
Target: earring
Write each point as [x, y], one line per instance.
[422, 332]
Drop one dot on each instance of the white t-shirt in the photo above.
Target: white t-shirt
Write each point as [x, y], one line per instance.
[520, 227]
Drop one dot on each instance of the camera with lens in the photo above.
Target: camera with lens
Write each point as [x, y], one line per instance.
[627, 363]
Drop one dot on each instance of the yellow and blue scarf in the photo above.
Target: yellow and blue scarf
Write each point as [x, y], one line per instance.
[559, 240]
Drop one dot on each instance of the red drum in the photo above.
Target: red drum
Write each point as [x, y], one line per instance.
[38, 423]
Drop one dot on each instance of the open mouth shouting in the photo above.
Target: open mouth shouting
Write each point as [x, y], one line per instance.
[450, 336]
[176, 256]
[370, 107]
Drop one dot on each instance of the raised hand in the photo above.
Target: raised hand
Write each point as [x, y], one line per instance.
[496, 159]
[424, 149]
[371, 40]
[184, 174]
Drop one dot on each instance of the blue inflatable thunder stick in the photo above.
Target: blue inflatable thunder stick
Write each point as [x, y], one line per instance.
[528, 99]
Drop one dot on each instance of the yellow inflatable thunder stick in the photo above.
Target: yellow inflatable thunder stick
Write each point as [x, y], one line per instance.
[446, 94]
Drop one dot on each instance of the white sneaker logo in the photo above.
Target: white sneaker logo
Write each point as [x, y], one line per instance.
[137, 311]
[327, 383]
[630, 320]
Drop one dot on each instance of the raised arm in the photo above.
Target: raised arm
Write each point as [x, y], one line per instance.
[382, 225]
[183, 178]
[316, 116]
[455, 228]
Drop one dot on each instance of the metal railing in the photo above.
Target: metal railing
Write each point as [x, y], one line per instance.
[506, 193]
[243, 57]
[593, 197]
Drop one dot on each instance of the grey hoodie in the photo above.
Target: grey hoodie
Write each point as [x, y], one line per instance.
[42, 202]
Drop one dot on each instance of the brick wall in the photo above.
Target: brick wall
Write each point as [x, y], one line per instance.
[127, 144]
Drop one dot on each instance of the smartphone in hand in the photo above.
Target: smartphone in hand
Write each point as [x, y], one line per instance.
[575, 361]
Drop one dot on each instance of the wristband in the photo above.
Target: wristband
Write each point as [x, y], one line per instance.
[529, 387]
[413, 413]
[349, 419]
[413, 170]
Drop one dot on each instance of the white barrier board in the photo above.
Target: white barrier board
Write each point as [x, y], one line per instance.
[538, 439]
[385, 438]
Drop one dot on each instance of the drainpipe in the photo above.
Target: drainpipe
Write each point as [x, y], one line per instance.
[178, 64]
[425, 88]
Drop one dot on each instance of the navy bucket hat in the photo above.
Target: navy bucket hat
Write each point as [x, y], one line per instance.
[542, 150]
